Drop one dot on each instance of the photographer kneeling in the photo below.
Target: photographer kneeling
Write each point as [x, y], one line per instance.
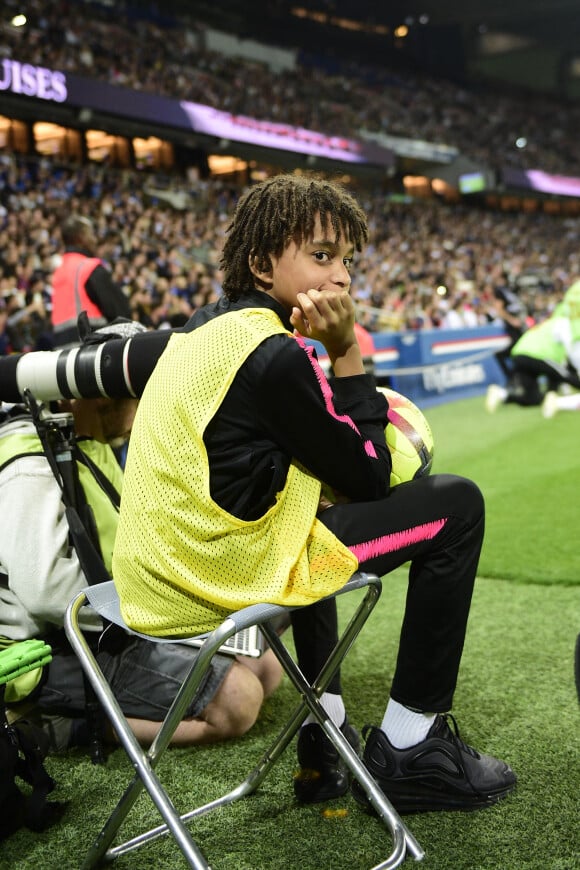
[40, 572]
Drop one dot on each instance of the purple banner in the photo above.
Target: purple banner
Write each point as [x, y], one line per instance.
[543, 182]
[53, 85]
[285, 137]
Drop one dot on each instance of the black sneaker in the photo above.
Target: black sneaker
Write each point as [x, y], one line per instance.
[440, 773]
[322, 774]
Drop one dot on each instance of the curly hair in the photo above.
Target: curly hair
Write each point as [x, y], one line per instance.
[281, 210]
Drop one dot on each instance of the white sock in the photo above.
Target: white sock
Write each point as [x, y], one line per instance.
[569, 403]
[333, 705]
[405, 727]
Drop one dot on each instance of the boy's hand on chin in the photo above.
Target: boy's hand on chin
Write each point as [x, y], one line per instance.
[326, 316]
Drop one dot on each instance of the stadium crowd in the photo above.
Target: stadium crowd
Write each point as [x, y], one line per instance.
[429, 264]
[173, 61]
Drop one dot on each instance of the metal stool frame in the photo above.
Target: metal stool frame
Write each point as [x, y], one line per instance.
[104, 600]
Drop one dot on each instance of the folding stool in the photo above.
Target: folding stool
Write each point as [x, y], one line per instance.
[104, 600]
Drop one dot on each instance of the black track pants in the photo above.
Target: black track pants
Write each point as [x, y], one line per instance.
[524, 388]
[437, 524]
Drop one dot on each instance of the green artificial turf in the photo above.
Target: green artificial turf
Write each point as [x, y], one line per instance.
[515, 698]
[529, 471]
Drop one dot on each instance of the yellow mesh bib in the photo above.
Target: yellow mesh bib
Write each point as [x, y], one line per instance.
[181, 563]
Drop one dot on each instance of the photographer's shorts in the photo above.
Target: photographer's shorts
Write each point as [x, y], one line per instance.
[144, 677]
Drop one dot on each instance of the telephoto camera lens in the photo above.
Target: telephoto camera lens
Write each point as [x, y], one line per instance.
[116, 368]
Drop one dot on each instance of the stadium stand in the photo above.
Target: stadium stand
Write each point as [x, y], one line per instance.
[167, 259]
[167, 55]
[433, 261]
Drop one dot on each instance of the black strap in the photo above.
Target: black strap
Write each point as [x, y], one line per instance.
[20, 456]
[39, 813]
[101, 478]
[14, 412]
[61, 452]
[84, 535]
[23, 757]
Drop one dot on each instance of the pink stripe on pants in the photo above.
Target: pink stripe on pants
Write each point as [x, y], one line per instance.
[396, 541]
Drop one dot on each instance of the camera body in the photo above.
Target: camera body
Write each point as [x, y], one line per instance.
[57, 426]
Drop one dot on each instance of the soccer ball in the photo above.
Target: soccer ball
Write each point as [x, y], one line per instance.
[409, 438]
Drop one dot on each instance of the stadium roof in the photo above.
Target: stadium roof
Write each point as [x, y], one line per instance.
[462, 37]
[548, 21]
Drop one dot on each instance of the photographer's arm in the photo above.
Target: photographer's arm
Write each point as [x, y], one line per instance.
[43, 570]
[107, 294]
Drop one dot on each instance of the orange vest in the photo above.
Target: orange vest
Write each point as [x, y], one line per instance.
[69, 294]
